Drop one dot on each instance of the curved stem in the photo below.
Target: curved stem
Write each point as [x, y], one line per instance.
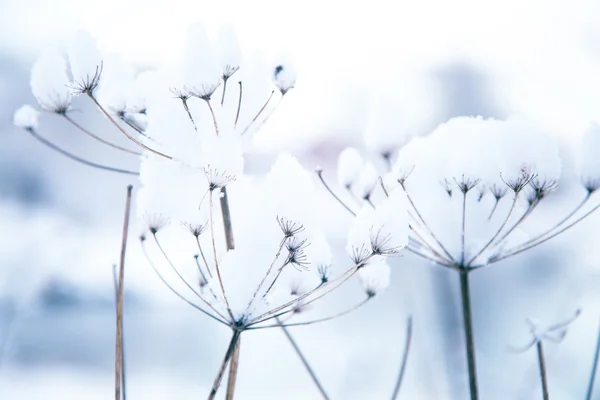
[307, 366]
[73, 157]
[98, 138]
[329, 318]
[134, 140]
[259, 112]
[407, 342]
[320, 174]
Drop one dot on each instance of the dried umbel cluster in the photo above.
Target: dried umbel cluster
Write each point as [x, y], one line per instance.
[471, 187]
[246, 251]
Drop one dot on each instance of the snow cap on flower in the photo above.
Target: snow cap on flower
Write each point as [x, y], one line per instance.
[366, 181]
[26, 117]
[588, 160]
[350, 165]
[375, 276]
[49, 81]
[85, 61]
[201, 71]
[284, 75]
[230, 54]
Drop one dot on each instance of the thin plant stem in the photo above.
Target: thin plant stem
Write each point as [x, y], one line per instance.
[226, 213]
[212, 114]
[223, 367]
[407, 341]
[189, 113]
[239, 107]
[590, 389]
[259, 112]
[132, 125]
[464, 221]
[123, 131]
[542, 364]
[309, 369]
[468, 326]
[329, 318]
[78, 159]
[214, 246]
[190, 287]
[542, 239]
[98, 138]
[262, 282]
[320, 174]
[233, 370]
[119, 338]
[413, 205]
[203, 257]
[494, 208]
[116, 287]
[489, 243]
[167, 284]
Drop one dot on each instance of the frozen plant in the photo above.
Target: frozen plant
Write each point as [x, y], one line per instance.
[245, 251]
[470, 187]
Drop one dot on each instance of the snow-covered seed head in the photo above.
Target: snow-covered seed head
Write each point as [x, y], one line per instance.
[180, 93]
[296, 254]
[155, 222]
[521, 181]
[540, 189]
[86, 63]
[289, 227]
[465, 184]
[447, 186]
[375, 276]
[360, 253]
[350, 165]
[49, 82]
[498, 191]
[26, 117]
[195, 229]
[217, 179]
[284, 77]
[324, 271]
[204, 91]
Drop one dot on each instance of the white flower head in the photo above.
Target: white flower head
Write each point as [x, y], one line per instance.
[284, 76]
[350, 164]
[26, 117]
[230, 54]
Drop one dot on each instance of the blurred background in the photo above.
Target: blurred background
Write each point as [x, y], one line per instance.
[61, 222]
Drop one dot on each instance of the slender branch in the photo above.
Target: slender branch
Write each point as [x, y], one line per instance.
[542, 364]
[214, 246]
[413, 205]
[239, 107]
[190, 287]
[189, 113]
[464, 220]
[489, 243]
[520, 249]
[590, 389]
[73, 157]
[259, 113]
[123, 131]
[167, 284]
[428, 245]
[225, 78]
[309, 369]
[425, 256]
[223, 367]
[116, 287]
[119, 338]
[212, 114]
[320, 174]
[329, 318]
[469, 337]
[226, 214]
[560, 223]
[262, 282]
[233, 368]
[494, 208]
[407, 342]
[132, 125]
[98, 138]
[203, 257]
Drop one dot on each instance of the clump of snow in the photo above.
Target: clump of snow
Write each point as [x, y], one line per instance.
[284, 76]
[588, 160]
[375, 276]
[26, 117]
[85, 60]
[366, 181]
[229, 50]
[349, 166]
[49, 81]
[201, 70]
